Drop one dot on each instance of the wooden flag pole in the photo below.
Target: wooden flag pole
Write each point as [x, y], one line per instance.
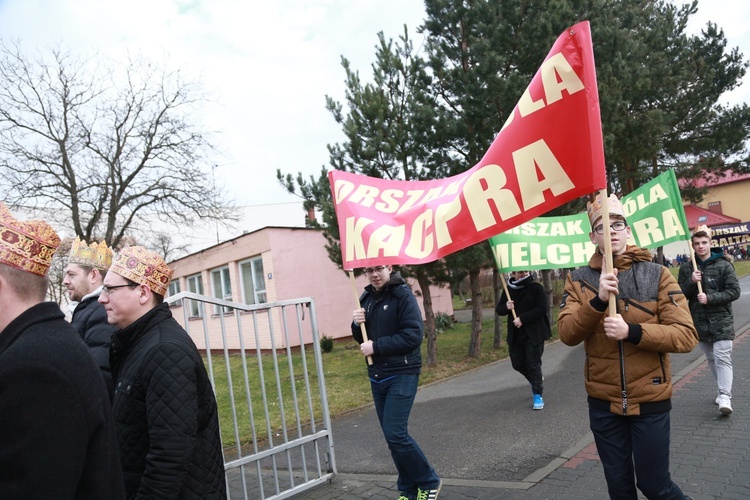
[608, 261]
[505, 285]
[695, 268]
[359, 306]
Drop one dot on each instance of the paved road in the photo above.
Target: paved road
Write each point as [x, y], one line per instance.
[484, 440]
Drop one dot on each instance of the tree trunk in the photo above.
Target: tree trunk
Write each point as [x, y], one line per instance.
[429, 315]
[475, 342]
[548, 287]
[498, 286]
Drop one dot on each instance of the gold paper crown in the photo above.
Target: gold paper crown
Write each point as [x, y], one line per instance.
[594, 208]
[143, 267]
[97, 255]
[704, 229]
[28, 246]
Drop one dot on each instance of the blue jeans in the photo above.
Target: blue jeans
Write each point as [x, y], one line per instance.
[393, 399]
[633, 447]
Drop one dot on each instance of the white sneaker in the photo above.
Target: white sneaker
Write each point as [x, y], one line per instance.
[725, 405]
[716, 401]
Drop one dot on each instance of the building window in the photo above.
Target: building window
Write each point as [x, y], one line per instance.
[222, 288]
[174, 289]
[195, 285]
[253, 281]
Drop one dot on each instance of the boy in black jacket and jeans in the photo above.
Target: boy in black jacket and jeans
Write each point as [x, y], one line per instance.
[394, 327]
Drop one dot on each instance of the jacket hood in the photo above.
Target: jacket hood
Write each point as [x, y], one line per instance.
[631, 254]
[716, 253]
[396, 279]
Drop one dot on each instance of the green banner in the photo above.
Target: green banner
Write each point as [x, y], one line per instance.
[654, 212]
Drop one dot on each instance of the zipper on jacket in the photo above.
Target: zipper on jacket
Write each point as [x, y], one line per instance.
[623, 384]
[671, 296]
[585, 284]
[629, 302]
[663, 371]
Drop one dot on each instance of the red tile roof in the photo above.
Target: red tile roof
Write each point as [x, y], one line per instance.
[696, 216]
[715, 180]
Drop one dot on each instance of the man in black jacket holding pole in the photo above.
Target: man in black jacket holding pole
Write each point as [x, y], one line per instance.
[528, 328]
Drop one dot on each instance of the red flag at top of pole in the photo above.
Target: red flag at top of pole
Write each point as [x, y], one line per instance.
[548, 152]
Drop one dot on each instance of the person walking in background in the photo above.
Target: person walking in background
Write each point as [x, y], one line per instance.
[57, 437]
[528, 330]
[394, 327]
[164, 406]
[84, 275]
[627, 372]
[712, 309]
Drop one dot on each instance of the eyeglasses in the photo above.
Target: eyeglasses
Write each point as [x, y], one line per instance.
[107, 290]
[617, 226]
[373, 270]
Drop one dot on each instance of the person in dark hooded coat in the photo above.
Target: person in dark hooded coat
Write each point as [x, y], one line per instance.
[528, 329]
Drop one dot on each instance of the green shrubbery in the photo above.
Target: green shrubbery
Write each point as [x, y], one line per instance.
[443, 322]
[326, 343]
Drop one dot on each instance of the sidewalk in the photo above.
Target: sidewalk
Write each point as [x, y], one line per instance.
[710, 453]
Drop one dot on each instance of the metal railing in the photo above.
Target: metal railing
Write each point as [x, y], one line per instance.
[273, 407]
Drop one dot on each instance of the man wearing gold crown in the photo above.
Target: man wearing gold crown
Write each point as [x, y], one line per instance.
[627, 372]
[84, 276]
[57, 436]
[165, 410]
[711, 307]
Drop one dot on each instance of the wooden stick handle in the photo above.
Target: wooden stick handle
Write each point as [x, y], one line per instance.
[695, 268]
[359, 306]
[505, 285]
[608, 260]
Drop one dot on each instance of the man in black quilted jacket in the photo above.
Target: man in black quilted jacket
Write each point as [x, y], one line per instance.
[164, 406]
[84, 276]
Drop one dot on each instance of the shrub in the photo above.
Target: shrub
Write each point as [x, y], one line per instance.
[443, 322]
[326, 343]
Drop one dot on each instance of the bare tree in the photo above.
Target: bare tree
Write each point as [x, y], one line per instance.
[104, 146]
[56, 291]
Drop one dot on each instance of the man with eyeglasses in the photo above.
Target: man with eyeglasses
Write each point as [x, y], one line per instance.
[393, 321]
[84, 276]
[627, 372]
[164, 406]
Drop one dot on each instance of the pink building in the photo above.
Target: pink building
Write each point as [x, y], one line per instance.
[270, 265]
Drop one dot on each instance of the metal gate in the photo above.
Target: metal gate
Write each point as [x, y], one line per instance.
[273, 408]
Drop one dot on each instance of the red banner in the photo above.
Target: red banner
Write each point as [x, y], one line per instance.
[547, 153]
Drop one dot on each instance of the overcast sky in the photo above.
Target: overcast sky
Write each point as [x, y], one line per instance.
[269, 64]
